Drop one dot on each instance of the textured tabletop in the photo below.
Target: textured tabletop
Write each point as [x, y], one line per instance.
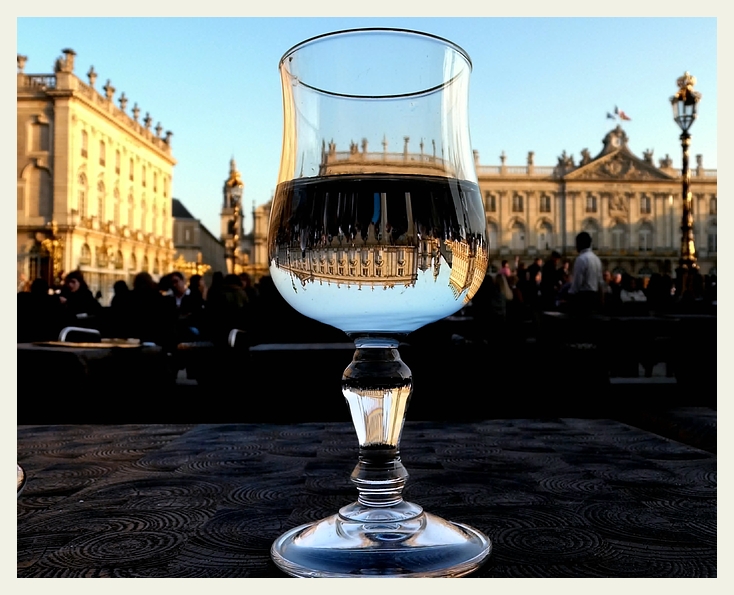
[557, 497]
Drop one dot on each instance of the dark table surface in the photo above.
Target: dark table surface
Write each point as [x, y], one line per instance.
[560, 497]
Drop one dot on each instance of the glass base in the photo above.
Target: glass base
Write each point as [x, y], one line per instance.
[400, 541]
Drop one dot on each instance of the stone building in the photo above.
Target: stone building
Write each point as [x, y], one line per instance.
[631, 207]
[94, 181]
[198, 251]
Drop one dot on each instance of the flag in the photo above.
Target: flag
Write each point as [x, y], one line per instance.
[611, 116]
[623, 116]
[616, 111]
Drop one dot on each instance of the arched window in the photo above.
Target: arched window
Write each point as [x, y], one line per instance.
[133, 262]
[85, 140]
[143, 175]
[619, 237]
[132, 169]
[130, 209]
[492, 236]
[518, 236]
[85, 255]
[102, 153]
[145, 267]
[155, 182]
[645, 237]
[545, 236]
[100, 201]
[39, 188]
[82, 196]
[117, 162]
[116, 212]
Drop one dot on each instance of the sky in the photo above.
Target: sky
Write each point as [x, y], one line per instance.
[541, 84]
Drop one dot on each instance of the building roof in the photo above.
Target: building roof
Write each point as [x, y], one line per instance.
[179, 211]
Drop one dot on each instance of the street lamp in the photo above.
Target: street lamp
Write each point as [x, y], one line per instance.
[233, 191]
[684, 103]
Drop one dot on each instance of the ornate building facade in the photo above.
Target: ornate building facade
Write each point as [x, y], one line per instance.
[94, 183]
[631, 207]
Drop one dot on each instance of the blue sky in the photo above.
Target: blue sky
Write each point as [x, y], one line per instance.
[538, 84]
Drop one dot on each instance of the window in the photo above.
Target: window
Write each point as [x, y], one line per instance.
[545, 237]
[518, 236]
[711, 239]
[102, 155]
[517, 203]
[618, 237]
[165, 187]
[155, 182]
[85, 255]
[100, 201]
[132, 170]
[492, 236]
[142, 176]
[592, 229]
[712, 206]
[84, 143]
[591, 204]
[645, 238]
[491, 201]
[645, 206]
[117, 162]
[545, 204]
[116, 207]
[130, 209]
[82, 196]
[187, 235]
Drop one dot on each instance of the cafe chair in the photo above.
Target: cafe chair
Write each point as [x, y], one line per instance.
[75, 334]
[238, 339]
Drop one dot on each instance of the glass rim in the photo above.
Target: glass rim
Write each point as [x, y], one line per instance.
[412, 32]
[315, 38]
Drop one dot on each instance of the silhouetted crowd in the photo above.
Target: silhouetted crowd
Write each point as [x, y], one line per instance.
[168, 312]
[519, 294]
[177, 310]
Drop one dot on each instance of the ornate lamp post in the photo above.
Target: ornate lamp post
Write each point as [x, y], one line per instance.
[54, 246]
[233, 190]
[684, 103]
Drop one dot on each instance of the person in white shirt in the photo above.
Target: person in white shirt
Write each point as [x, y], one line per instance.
[587, 281]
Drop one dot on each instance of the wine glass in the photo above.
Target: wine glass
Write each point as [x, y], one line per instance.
[377, 228]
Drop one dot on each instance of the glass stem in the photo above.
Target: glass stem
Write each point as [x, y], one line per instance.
[377, 386]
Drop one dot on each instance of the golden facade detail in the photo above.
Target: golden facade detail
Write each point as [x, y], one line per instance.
[97, 173]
